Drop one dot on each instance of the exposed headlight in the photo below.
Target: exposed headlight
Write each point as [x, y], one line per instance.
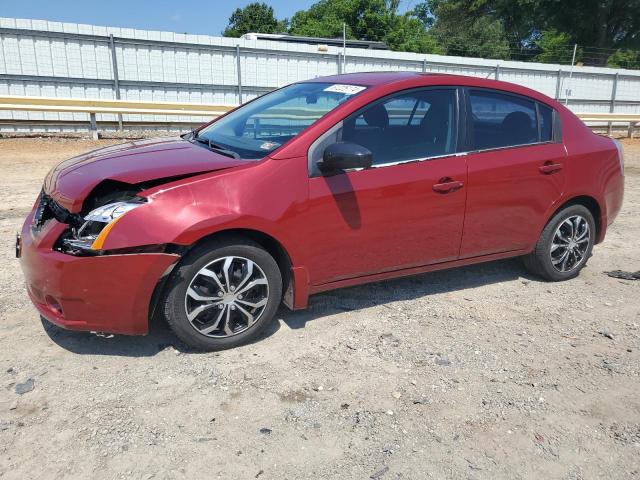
[97, 224]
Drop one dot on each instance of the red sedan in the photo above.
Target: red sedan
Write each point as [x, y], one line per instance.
[326, 183]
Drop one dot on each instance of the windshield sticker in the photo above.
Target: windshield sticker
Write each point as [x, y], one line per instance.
[346, 89]
[269, 145]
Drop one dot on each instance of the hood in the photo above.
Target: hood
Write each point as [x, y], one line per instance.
[69, 182]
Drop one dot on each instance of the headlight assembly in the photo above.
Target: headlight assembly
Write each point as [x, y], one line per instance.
[97, 225]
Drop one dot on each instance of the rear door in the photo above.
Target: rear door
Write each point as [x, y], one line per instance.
[408, 209]
[515, 171]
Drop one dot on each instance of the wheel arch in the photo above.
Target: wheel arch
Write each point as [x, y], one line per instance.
[272, 245]
[592, 205]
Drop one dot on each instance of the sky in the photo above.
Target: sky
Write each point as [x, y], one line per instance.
[205, 17]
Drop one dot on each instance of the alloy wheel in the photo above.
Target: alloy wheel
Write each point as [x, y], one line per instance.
[570, 243]
[226, 297]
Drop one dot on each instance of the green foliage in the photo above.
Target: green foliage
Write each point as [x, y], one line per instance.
[409, 35]
[422, 11]
[255, 17]
[535, 30]
[602, 23]
[624, 59]
[555, 47]
[373, 20]
[365, 19]
[599, 26]
[467, 28]
[522, 20]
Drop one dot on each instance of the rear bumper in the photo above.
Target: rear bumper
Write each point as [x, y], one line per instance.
[613, 198]
[108, 293]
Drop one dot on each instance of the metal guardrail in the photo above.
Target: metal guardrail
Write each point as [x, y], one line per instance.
[633, 119]
[120, 107]
[246, 68]
[123, 107]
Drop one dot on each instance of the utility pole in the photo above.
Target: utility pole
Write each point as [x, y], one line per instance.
[573, 61]
[344, 47]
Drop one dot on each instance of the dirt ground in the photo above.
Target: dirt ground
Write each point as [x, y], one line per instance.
[476, 373]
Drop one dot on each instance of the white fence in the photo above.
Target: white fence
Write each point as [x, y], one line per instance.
[52, 59]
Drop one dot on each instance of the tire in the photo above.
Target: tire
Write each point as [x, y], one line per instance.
[253, 279]
[543, 262]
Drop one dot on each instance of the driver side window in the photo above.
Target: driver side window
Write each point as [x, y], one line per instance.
[410, 126]
[414, 125]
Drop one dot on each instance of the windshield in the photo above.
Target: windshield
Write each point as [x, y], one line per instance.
[256, 129]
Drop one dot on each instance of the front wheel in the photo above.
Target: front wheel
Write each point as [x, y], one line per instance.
[564, 246]
[223, 294]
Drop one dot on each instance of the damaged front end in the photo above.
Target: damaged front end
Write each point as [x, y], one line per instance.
[88, 236]
[85, 267]
[87, 230]
[90, 193]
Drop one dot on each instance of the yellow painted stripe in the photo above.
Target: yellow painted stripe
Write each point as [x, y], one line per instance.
[83, 109]
[111, 103]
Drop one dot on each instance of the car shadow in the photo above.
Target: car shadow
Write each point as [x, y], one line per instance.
[406, 288]
[346, 200]
[161, 338]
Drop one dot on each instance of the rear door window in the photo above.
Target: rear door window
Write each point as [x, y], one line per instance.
[500, 120]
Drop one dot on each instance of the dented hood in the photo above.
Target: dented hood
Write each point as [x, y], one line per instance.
[69, 182]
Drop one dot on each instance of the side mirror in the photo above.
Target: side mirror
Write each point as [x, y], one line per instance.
[343, 156]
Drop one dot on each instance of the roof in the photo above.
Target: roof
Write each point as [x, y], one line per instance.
[373, 79]
[368, 79]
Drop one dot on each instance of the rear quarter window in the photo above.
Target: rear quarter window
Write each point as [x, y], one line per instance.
[546, 123]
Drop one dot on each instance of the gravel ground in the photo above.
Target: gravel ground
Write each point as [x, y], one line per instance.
[477, 373]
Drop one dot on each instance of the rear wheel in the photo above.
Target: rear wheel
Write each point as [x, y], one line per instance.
[564, 246]
[223, 294]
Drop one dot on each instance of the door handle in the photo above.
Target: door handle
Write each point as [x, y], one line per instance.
[549, 167]
[447, 185]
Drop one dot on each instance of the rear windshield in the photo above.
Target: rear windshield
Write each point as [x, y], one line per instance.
[256, 129]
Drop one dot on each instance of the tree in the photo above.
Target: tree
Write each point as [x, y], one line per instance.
[365, 19]
[522, 21]
[555, 47]
[624, 59]
[373, 20]
[422, 12]
[607, 31]
[407, 34]
[255, 17]
[467, 27]
[598, 25]
[536, 29]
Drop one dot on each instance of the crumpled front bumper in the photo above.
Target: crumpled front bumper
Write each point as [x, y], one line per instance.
[110, 293]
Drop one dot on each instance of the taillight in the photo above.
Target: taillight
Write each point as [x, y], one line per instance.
[620, 154]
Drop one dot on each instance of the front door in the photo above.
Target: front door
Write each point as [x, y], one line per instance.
[408, 209]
